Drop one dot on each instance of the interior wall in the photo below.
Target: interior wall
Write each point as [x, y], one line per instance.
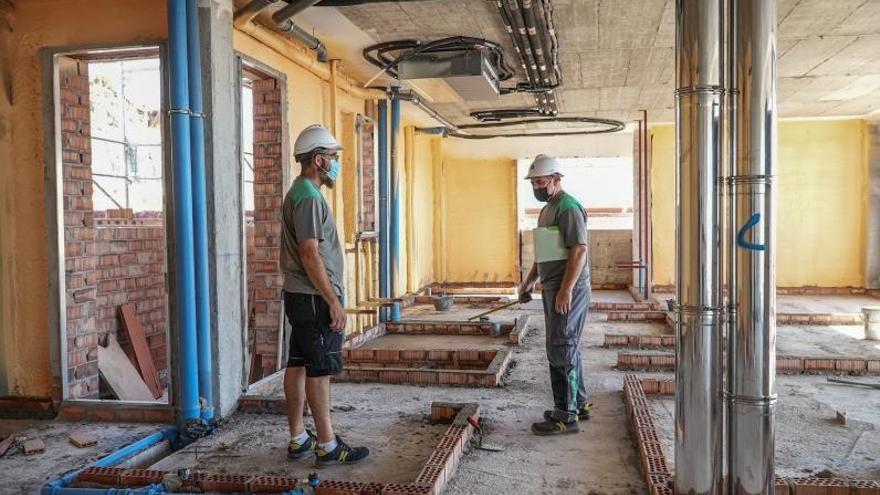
[422, 186]
[480, 240]
[6, 118]
[822, 203]
[24, 251]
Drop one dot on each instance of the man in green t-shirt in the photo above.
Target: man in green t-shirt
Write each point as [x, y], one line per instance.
[564, 272]
[312, 262]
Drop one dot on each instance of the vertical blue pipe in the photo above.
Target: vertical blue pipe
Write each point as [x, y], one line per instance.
[395, 195]
[384, 268]
[200, 210]
[188, 406]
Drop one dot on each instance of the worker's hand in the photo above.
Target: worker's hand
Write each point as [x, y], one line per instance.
[337, 316]
[563, 301]
[525, 296]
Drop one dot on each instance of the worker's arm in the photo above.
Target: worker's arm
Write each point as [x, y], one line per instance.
[577, 258]
[317, 272]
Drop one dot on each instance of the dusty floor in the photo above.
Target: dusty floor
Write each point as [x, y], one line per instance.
[808, 439]
[20, 474]
[391, 420]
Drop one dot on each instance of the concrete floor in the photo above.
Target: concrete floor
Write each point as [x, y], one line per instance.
[20, 474]
[391, 419]
[808, 439]
[824, 304]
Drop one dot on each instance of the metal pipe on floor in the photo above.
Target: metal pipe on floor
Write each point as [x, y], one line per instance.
[384, 224]
[752, 339]
[698, 412]
[200, 213]
[188, 386]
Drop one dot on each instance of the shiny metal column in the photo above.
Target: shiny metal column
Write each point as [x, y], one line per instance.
[698, 376]
[752, 339]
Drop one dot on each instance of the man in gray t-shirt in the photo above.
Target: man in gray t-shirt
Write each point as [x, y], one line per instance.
[312, 263]
[561, 254]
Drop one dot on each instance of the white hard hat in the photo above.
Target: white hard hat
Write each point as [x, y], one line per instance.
[543, 166]
[314, 137]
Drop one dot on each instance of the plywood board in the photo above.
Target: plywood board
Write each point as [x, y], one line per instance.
[143, 357]
[120, 374]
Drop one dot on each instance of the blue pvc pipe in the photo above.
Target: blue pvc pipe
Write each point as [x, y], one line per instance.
[200, 211]
[384, 237]
[60, 485]
[395, 196]
[188, 401]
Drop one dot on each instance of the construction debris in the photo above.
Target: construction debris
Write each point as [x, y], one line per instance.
[83, 439]
[5, 444]
[33, 446]
[841, 417]
[120, 374]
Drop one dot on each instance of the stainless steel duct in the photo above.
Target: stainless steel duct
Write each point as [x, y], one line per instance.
[698, 375]
[304, 36]
[752, 331]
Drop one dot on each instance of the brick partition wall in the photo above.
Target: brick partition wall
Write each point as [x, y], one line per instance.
[110, 258]
[264, 289]
[131, 263]
[80, 264]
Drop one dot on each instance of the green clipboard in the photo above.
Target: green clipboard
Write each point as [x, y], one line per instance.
[549, 245]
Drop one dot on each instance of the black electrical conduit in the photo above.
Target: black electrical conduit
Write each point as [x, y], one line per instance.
[460, 131]
[513, 24]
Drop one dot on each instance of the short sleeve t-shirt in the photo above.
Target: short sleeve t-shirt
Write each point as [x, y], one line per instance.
[565, 212]
[305, 215]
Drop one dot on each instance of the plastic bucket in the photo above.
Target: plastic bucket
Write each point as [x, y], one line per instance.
[871, 317]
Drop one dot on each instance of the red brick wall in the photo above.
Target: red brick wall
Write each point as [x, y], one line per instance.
[131, 262]
[81, 275]
[111, 258]
[368, 173]
[265, 286]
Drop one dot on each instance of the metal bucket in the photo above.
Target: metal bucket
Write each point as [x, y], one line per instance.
[442, 303]
[871, 317]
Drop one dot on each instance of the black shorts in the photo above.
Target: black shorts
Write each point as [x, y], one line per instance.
[312, 343]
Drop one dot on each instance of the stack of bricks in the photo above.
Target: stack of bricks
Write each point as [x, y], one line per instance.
[81, 274]
[636, 316]
[265, 290]
[653, 463]
[471, 368]
[624, 306]
[784, 364]
[639, 341]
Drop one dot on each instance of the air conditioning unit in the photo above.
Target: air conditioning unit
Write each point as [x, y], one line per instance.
[468, 72]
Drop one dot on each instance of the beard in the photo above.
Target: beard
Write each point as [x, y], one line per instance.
[327, 181]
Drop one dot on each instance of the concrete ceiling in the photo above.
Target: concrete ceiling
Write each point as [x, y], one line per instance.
[617, 56]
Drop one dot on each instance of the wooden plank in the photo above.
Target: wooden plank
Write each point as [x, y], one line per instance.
[6, 444]
[144, 359]
[120, 374]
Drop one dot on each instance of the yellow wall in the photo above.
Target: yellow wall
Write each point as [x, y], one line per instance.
[822, 204]
[422, 229]
[23, 248]
[480, 220]
[663, 203]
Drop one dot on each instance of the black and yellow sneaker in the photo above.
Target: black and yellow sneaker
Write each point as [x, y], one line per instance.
[583, 413]
[342, 454]
[301, 451]
[546, 428]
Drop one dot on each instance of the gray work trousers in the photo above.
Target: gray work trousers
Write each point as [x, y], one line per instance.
[564, 354]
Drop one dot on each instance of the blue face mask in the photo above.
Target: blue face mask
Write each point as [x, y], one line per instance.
[333, 173]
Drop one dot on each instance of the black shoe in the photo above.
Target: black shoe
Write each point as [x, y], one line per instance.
[301, 451]
[583, 413]
[546, 428]
[342, 454]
